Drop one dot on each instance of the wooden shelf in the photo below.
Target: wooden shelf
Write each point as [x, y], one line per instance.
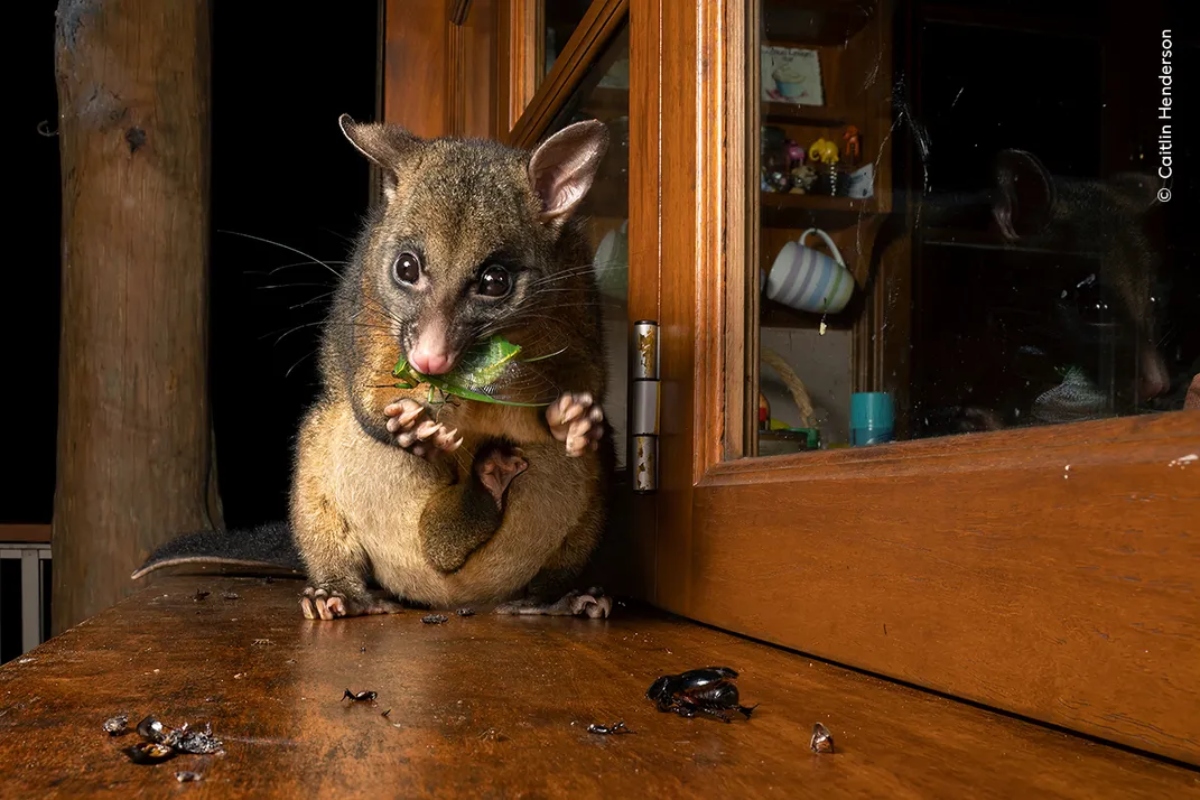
[972, 239]
[813, 116]
[781, 210]
[777, 315]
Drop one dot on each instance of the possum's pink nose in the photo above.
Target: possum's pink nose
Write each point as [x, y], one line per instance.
[432, 353]
[428, 363]
[1154, 378]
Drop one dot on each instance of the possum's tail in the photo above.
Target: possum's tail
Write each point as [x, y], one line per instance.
[267, 546]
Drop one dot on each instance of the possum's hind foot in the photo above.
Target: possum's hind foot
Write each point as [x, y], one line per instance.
[330, 604]
[416, 432]
[593, 603]
[578, 421]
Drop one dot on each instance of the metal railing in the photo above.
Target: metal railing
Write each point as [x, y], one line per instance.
[34, 588]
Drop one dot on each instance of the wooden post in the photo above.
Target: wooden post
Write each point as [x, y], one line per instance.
[134, 432]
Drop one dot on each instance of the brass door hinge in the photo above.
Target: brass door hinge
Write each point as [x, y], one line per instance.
[644, 381]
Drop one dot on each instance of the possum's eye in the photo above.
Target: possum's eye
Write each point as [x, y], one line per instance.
[407, 268]
[495, 281]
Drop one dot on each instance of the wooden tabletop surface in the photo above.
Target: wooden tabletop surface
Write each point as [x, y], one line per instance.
[487, 706]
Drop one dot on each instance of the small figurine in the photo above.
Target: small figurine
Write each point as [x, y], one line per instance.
[823, 150]
[803, 178]
[795, 154]
[826, 152]
[776, 181]
[853, 144]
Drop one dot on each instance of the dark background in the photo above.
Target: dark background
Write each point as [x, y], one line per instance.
[281, 170]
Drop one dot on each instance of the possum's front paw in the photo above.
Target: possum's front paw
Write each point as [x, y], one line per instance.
[329, 604]
[410, 423]
[578, 421]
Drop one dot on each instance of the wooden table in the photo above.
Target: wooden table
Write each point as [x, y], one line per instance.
[488, 706]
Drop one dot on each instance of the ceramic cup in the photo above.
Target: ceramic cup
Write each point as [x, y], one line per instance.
[612, 262]
[808, 280]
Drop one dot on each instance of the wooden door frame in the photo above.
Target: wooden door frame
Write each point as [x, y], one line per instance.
[596, 29]
[1050, 572]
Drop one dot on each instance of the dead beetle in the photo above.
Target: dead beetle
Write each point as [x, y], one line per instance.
[710, 690]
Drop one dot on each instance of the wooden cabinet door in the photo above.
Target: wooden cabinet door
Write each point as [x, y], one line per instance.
[1050, 570]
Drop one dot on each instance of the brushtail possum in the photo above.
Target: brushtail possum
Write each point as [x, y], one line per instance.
[1029, 205]
[436, 499]
[1110, 215]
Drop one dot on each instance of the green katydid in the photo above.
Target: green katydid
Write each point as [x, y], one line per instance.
[480, 367]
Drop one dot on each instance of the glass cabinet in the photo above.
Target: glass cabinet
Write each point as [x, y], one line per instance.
[945, 247]
[922, 280]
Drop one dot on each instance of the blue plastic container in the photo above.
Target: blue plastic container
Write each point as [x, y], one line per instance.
[872, 418]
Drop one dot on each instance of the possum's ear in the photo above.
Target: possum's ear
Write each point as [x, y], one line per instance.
[563, 167]
[1026, 193]
[388, 146]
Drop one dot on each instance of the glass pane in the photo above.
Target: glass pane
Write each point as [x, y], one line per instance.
[955, 236]
[606, 209]
[559, 18]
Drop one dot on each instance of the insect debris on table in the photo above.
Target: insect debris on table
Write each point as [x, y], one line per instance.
[465, 612]
[116, 726]
[608, 730]
[822, 739]
[708, 691]
[434, 619]
[149, 753]
[360, 696]
[162, 742]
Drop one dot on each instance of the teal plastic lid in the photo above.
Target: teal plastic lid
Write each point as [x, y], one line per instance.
[871, 410]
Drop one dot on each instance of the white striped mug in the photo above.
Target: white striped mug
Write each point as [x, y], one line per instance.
[808, 280]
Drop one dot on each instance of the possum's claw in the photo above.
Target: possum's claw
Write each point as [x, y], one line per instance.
[327, 604]
[593, 603]
[576, 420]
[415, 432]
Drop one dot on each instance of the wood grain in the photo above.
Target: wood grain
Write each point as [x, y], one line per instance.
[1068, 595]
[645, 235]
[490, 706]
[601, 22]
[479, 70]
[690, 352]
[518, 59]
[417, 66]
[134, 430]
[1056, 580]
[24, 533]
